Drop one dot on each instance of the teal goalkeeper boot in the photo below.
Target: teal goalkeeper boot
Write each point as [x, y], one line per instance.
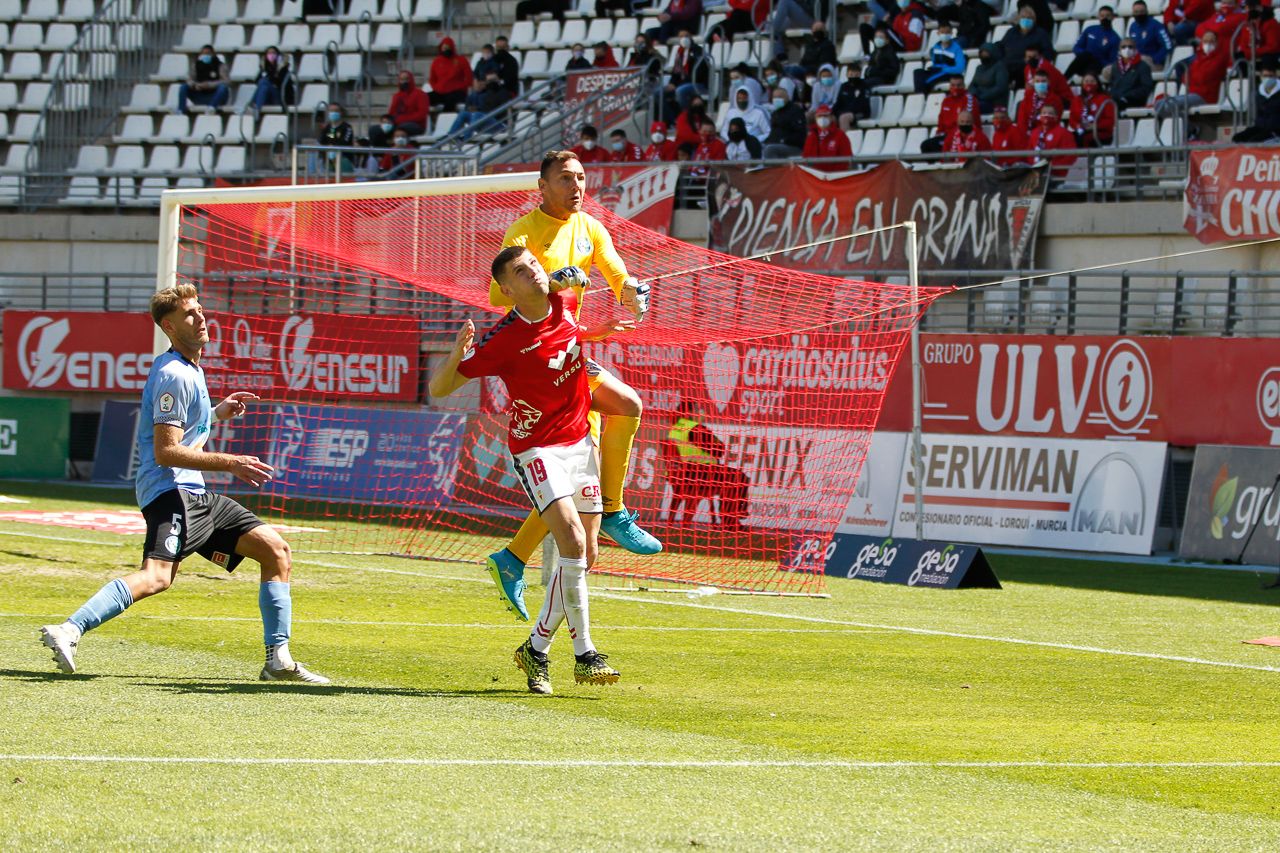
[621, 527]
[508, 573]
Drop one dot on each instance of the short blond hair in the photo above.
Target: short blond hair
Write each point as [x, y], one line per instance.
[166, 301]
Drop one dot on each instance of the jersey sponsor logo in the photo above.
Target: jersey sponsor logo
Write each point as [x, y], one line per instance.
[523, 418]
[44, 362]
[337, 448]
[335, 372]
[166, 402]
[557, 361]
[591, 492]
[220, 559]
[533, 346]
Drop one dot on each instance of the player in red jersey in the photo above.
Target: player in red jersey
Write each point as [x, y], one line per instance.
[536, 349]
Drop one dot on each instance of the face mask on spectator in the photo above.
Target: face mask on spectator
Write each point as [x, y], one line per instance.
[1041, 87]
[1127, 52]
[779, 103]
[658, 138]
[387, 127]
[1088, 87]
[737, 135]
[965, 128]
[405, 85]
[335, 117]
[272, 56]
[771, 79]
[1026, 23]
[944, 38]
[826, 79]
[446, 51]
[1000, 120]
[810, 81]
[486, 56]
[1048, 122]
[685, 42]
[616, 145]
[1268, 85]
[1208, 47]
[955, 89]
[697, 107]
[206, 58]
[577, 54]
[588, 144]
[640, 45]
[1141, 17]
[1106, 23]
[881, 41]
[400, 141]
[824, 121]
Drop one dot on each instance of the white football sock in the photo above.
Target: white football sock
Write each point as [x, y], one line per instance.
[573, 595]
[550, 617]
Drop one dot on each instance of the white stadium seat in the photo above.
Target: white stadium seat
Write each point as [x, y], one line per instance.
[295, 37]
[136, 128]
[26, 65]
[389, 39]
[60, 36]
[197, 159]
[229, 38]
[222, 12]
[194, 36]
[24, 127]
[264, 36]
[174, 127]
[164, 158]
[26, 36]
[128, 158]
[83, 189]
[145, 97]
[231, 159]
[92, 160]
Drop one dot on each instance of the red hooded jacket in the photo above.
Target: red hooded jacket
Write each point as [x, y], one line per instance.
[1190, 10]
[1260, 38]
[411, 106]
[1058, 84]
[1206, 73]
[827, 142]
[449, 73]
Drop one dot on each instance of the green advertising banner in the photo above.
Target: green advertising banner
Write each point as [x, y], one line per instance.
[35, 436]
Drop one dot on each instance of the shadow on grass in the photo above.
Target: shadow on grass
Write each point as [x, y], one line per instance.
[1242, 587]
[49, 675]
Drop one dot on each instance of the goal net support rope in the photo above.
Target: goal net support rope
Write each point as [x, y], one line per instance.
[761, 386]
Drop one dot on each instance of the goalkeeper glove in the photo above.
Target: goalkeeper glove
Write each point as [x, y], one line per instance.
[636, 299]
[566, 277]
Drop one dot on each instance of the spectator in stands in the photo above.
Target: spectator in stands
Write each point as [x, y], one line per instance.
[1149, 35]
[623, 150]
[1224, 23]
[819, 50]
[745, 16]
[787, 128]
[380, 133]
[710, 146]
[1093, 114]
[660, 148]
[971, 18]
[684, 152]
[644, 56]
[487, 96]
[679, 15]
[990, 83]
[775, 76]
[1181, 17]
[788, 14]
[825, 139]
[907, 31]
[958, 100]
[1049, 135]
[853, 104]
[1259, 38]
[604, 57]
[1018, 40]
[450, 76]
[336, 133]
[883, 65]
[274, 87]
[399, 165]
[946, 57]
[508, 67]
[1042, 12]
[409, 106]
[1096, 47]
[825, 91]
[1266, 124]
[208, 84]
[1038, 96]
[1035, 62]
[689, 120]
[1204, 78]
[526, 9]
[742, 75]
[754, 118]
[1007, 136]
[687, 74]
[486, 64]
[588, 149]
[578, 58]
[966, 136]
[604, 7]
[742, 145]
[1129, 77]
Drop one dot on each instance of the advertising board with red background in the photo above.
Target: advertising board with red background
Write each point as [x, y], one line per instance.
[1232, 195]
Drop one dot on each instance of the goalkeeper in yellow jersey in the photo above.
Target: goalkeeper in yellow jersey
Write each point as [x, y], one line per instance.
[563, 237]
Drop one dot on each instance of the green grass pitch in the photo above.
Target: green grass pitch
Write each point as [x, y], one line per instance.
[1085, 706]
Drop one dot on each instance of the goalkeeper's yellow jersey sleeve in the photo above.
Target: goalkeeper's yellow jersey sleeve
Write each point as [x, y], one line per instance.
[579, 241]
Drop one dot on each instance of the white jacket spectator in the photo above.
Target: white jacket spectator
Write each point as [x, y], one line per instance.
[754, 117]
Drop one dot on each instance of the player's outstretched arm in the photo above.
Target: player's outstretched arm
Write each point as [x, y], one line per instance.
[446, 379]
[234, 406]
[172, 453]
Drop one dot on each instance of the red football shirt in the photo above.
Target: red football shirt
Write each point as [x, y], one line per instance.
[544, 369]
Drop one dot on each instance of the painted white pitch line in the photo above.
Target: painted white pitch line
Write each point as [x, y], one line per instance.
[931, 632]
[467, 625]
[693, 764]
[22, 535]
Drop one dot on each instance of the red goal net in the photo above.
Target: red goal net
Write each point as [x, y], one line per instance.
[336, 311]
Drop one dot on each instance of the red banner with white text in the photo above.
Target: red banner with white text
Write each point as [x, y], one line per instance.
[1183, 391]
[1233, 194]
[278, 356]
[609, 96]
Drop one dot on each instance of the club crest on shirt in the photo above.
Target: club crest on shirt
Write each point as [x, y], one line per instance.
[166, 402]
[583, 244]
[171, 544]
[523, 418]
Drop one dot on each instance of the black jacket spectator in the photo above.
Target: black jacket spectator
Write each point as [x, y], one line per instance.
[883, 66]
[1131, 83]
[1015, 44]
[818, 51]
[1266, 124]
[338, 135]
[487, 64]
[990, 84]
[787, 126]
[972, 19]
[508, 67]
[854, 99]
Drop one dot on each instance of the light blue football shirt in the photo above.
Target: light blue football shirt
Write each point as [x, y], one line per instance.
[175, 394]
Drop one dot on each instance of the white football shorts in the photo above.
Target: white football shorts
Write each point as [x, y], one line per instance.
[568, 470]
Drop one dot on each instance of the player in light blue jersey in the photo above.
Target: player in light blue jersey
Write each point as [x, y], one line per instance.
[182, 516]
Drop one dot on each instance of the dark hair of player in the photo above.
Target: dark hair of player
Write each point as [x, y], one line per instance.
[554, 157]
[505, 257]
